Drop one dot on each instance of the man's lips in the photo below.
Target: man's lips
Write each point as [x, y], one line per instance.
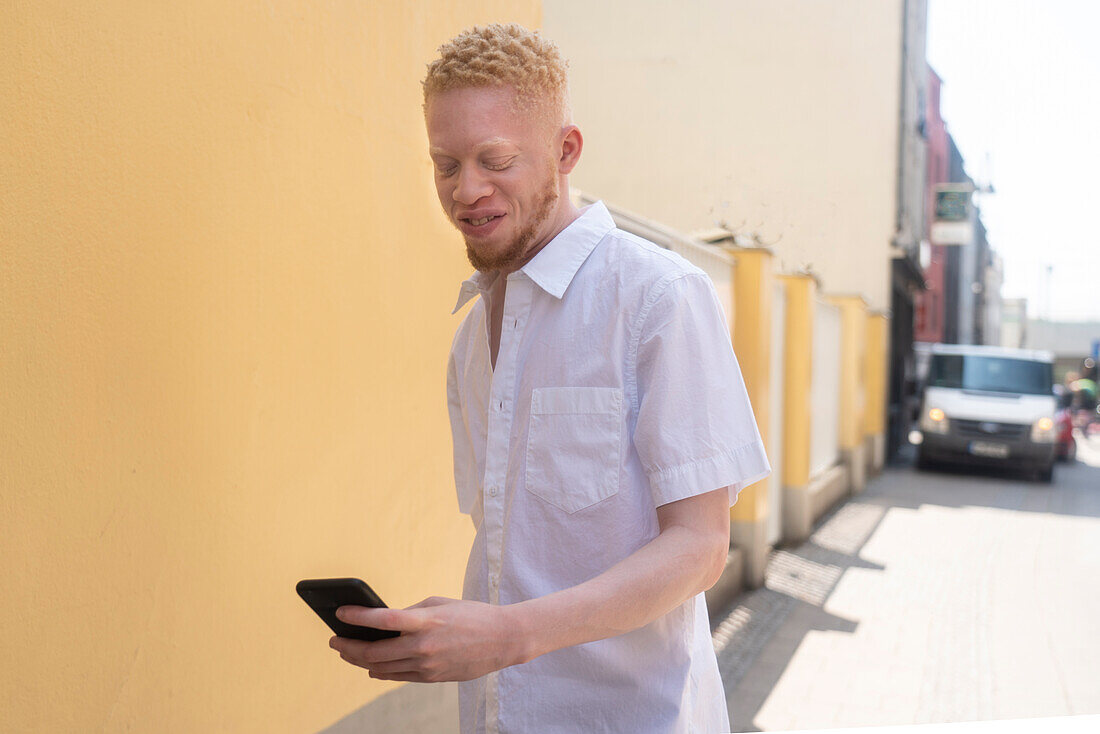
[479, 223]
[477, 216]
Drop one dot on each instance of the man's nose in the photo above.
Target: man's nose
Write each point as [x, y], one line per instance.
[471, 186]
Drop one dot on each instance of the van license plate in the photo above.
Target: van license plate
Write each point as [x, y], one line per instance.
[985, 448]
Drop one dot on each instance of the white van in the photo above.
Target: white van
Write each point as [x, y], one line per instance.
[988, 405]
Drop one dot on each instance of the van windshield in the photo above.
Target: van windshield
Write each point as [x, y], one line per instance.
[991, 374]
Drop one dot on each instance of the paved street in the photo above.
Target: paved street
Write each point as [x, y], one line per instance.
[930, 597]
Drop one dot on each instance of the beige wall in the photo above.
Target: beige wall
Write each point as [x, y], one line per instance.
[225, 293]
[779, 117]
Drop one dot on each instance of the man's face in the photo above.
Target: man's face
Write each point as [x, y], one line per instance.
[495, 172]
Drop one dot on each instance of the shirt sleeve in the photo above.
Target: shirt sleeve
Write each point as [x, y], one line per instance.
[695, 430]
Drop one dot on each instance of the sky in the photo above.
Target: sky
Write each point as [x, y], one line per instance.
[1021, 97]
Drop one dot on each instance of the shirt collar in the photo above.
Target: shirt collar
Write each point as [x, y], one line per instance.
[553, 268]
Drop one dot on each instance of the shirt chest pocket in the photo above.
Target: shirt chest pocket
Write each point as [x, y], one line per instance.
[574, 444]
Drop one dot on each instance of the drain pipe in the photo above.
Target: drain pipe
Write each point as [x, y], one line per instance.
[900, 187]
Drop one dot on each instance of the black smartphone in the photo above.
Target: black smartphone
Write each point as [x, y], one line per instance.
[325, 596]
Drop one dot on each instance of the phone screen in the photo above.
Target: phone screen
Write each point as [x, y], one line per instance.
[325, 596]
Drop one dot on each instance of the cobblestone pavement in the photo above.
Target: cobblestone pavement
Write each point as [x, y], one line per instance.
[930, 597]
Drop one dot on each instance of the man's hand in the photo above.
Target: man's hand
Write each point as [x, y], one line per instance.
[448, 639]
[441, 640]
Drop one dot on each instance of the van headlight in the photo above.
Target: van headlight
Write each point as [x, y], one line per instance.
[933, 420]
[1042, 430]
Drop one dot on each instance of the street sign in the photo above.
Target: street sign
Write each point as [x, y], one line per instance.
[953, 214]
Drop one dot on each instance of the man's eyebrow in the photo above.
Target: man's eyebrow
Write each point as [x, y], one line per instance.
[490, 143]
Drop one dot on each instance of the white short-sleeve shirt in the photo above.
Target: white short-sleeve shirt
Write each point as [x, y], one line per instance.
[615, 391]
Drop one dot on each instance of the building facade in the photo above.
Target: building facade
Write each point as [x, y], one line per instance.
[1014, 320]
[992, 301]
[906, 278]
[928, 325]
[798, 126]
[961, 303]
[1072, 342]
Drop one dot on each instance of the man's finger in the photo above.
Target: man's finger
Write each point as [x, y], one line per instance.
[402, 620]
[408, 665]
[407, 677]
[379, 651]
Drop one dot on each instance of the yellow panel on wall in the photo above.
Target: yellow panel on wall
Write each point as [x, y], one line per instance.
[798, 367]
[853, 330]
[875, 369]
[752, 330]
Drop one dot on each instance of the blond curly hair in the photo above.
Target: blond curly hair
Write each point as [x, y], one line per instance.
[499, 55]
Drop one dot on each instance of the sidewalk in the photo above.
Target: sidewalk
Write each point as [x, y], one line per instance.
[1080, 724]
[928, 598]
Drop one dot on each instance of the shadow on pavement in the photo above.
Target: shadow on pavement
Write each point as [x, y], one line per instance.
[797, 582]
[799, 579]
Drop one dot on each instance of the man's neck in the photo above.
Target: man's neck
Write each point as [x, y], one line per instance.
[566, 215]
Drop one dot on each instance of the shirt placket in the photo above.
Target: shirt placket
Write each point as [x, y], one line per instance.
[517, 306]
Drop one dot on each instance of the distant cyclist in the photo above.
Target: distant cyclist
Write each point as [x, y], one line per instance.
[1084, 397]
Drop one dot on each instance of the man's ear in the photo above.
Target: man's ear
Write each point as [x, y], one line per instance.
[570, 153]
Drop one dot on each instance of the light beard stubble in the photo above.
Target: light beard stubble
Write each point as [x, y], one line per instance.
[516, 251]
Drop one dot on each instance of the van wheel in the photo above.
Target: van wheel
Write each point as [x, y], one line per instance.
[1046, 473]
[922, 463]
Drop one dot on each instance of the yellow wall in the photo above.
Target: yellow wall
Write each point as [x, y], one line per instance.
[876, 358]
[798, 360]
[853, 362]
[225, 292]
[752, 330]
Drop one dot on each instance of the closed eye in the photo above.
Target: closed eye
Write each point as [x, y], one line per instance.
[499, 164]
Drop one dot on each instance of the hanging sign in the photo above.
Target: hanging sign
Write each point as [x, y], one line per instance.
[953, 215]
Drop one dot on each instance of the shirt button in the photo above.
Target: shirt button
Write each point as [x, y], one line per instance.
[493, 580]
[493, 491]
